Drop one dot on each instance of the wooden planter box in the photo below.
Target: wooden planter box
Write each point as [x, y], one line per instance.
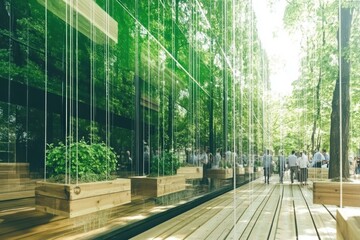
[240, 171]
[327, 192]
[157, 186]
[191, 172]
[220, 173]
[249, 170]
[318, 174]
[71, 201]
[347, 223]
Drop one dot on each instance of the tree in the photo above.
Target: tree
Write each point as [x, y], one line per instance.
[340, 118]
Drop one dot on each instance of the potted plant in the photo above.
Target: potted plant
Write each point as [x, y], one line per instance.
[162, 179]
[79, 180]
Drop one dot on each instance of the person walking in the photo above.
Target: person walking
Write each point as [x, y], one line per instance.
[267, 160]
[281, 162]
[292, 165]
[303, 164]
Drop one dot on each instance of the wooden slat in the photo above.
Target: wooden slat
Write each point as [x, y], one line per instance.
[305, 227]
[286, 228]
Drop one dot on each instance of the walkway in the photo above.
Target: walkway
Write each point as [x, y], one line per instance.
[274, 211]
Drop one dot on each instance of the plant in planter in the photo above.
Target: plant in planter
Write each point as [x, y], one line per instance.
[162, 179]
[87, 162]
[165, 165]
[79, 180]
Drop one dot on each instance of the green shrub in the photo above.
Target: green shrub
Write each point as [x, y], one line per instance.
[91, 162]
[164, 165]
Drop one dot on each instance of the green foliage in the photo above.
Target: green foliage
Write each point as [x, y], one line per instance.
[91, 162]
[164, 165]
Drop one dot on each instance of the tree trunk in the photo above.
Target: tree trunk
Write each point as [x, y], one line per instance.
[344, 81]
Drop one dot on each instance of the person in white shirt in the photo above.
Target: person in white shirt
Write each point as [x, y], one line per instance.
[292, 159]
[303, 164]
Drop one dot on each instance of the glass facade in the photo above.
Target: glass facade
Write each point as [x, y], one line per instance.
[101, 90]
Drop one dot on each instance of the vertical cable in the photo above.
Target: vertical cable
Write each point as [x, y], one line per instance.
[27, 91]
[234, 112]
[173, 49]
[8, 5]
[46, 79]
[107, 80]
[159, 92]
[149, 85]
[340, 104]
[66, 96]
[77, 93]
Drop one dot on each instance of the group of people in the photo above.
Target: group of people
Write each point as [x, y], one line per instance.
[298, 163]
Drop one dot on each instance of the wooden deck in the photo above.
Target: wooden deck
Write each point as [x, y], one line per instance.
[274, 211]
[263, 211]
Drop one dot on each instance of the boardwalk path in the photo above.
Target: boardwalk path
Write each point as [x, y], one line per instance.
[274, 211]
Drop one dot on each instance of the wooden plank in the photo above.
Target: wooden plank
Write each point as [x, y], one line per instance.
[286, 228]
[305, 226]
[276, 216]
